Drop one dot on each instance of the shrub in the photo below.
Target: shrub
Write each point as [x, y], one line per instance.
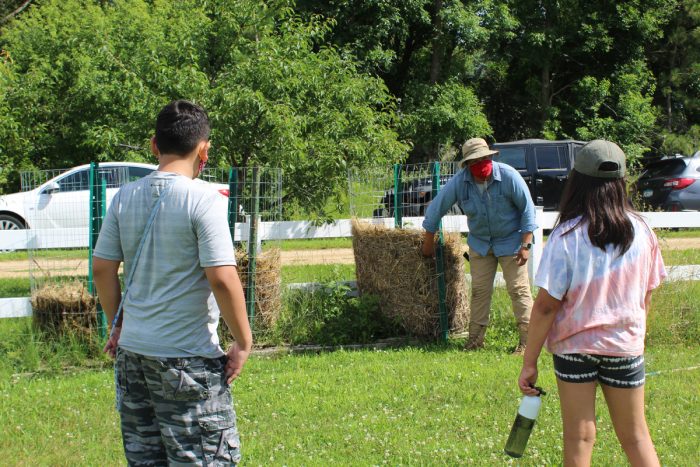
[327, 315]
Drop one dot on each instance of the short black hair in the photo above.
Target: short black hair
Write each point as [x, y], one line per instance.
[180, 127]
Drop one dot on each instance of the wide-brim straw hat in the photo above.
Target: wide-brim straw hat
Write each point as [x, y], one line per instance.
[475, 148]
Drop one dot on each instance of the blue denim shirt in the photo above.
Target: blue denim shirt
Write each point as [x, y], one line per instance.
[497, 218]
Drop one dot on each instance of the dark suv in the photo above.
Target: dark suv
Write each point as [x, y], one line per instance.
[671, 184]
[543, 164]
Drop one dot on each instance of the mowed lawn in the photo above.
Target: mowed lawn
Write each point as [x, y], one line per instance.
[411, 406]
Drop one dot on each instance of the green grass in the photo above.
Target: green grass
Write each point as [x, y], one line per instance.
[679, 233]
[317, 273]
[425, 405]
[313, 244]
[679, 257]
[53, 254]
[15, 287]
[413, 406]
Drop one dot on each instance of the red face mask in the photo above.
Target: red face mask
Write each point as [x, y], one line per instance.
[482, 169]
[202, 164]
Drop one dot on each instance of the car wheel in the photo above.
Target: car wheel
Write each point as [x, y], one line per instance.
[10, 223]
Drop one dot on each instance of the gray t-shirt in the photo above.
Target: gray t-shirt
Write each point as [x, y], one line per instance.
[169, 309]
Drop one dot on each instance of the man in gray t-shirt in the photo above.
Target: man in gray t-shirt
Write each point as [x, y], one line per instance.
[171, 374]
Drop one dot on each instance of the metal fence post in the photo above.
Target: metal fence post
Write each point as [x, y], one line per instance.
[398, 215]
[98, 191]
[253, 244]
[440, 261]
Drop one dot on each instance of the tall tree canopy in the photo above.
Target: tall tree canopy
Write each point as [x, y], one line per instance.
[315, 86]
[82, 80]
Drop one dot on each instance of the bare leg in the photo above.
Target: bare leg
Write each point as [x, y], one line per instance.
[626, 407]
[578, 417]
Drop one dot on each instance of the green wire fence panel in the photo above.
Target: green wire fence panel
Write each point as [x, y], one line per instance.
[427, 296]
[64, 211]
[396, 192]
[254, 199]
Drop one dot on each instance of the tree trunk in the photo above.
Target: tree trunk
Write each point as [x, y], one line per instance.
[437, 55]
[545, 92]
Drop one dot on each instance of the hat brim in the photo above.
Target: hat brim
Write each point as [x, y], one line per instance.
[478, 155]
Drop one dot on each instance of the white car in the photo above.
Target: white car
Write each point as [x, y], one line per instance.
[63, 201]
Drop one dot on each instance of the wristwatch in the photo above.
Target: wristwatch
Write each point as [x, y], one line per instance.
[527, 246]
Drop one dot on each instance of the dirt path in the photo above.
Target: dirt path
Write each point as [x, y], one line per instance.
[289, 258]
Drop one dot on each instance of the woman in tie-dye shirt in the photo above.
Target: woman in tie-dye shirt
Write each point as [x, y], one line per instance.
[597, 272]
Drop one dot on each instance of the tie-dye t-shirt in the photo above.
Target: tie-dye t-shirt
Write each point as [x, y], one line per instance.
[602, 293]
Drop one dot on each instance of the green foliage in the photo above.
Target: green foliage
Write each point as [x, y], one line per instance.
[326, 315]
[426, 56]
[675, 59]
[81, 80]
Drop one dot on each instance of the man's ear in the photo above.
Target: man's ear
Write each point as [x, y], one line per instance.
[154, 147]
[203, 150]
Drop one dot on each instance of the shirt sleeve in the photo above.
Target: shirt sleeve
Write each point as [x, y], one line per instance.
[523, 200]
[555, 271]
[213, 235]
[442, 203]
[657, 269]
[109, 244]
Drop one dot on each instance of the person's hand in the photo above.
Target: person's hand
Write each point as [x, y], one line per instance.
[522, 256]
[110, 347]
[427, 249]
[527, 380]
[236, 359]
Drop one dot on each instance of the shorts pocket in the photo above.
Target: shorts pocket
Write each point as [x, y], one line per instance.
[120, 385]
[220, 440]
[185, 383]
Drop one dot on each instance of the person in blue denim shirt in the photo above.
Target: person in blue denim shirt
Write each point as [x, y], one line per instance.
[501, 218]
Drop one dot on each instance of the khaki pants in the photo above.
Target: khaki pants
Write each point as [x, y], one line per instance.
[483, 271]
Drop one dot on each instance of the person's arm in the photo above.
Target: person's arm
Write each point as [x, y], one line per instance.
[543, 313]
[437, 208]
[105, 274]
[647, 302]
[523, 201]
[428, 246]
[523, 253]
[228, 291]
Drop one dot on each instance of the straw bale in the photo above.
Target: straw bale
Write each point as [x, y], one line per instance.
[64, 307]
[268, 285]
[388, 264]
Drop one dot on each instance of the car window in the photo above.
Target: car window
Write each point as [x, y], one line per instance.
[76, 181]
[136, 173]
[115, 177]
[515, 157]
[551, 157]
[668, 168]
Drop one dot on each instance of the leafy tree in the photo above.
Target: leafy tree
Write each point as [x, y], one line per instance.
[577, 69]
[428, 53]
[675, 59]
[88, 79]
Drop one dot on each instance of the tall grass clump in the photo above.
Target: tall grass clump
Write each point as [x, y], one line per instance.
[26, 349]
[674, 317]
[326, 314]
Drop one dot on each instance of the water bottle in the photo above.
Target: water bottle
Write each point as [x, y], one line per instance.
[522, 426]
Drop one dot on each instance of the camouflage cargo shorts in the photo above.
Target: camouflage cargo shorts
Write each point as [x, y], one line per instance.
[175, 411]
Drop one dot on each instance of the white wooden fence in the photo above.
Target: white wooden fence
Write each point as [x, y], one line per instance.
[287, 230]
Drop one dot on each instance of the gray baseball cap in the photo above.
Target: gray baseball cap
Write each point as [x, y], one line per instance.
[601, 159]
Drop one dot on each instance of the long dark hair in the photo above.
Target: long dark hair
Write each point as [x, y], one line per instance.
[603, 205]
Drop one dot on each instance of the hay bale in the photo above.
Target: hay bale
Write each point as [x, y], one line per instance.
[64, 308]
[268, 286]
[388, 264]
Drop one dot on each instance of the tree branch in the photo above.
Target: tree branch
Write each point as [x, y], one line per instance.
[17, 11]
